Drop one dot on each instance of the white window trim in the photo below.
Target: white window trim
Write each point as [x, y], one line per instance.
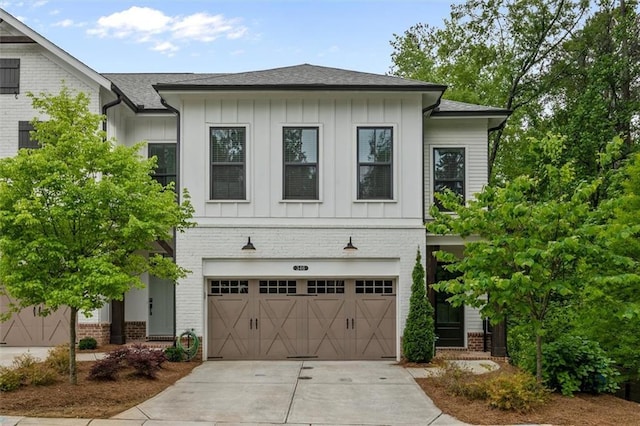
[394, 162]
[321, 168]
[432, 177]
[248, 161]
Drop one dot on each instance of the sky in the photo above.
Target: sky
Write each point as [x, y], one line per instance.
[226, 35]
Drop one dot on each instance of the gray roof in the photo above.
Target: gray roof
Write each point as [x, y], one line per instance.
[455, 108]
[138, 87]
[301, 77]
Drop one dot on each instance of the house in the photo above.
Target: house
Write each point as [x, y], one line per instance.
[311, 187]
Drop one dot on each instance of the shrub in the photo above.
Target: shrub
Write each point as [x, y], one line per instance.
[10, 379]
[145, 361]
[119, 354]
[58, 359]
[41, 375]
[105, 369]
[87, 343]
[573, 364]
[460, 381]
[24, 362]
[419, 332]
[519, 392]
[174, 354]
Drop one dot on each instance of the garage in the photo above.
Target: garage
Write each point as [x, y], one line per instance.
[327, 319]
[28, 328]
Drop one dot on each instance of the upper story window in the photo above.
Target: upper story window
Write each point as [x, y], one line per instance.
[448, 171]
[228, 163]
[300, 175]
[166, 154]
[375, 163]
[24, 136]
[9, 76]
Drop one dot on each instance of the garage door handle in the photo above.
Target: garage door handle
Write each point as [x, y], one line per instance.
[347, 323]
[353, 326]
[251, 324]
[256, 323]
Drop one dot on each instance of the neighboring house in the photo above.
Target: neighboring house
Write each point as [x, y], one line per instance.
[310, 187]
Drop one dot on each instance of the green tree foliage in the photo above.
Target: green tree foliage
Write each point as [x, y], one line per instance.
[419, 332]
[79, 215]
[496, 53]
[526, 252]
[597, 90]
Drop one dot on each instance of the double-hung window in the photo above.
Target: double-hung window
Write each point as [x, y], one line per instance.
[228, 163]
[375, 163]
[300, 149]
[24, 136]
[166, 155]
[9, 76]
[448, 171]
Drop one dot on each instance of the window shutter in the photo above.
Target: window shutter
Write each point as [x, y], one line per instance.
[9, 76]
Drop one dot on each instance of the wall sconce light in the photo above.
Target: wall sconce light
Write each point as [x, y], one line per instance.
[350, 246]
[249, 245]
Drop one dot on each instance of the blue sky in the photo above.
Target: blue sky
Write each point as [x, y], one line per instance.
[226, 36]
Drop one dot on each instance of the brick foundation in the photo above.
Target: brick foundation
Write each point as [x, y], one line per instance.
[135, 330]
[101, 332]
[475, 341]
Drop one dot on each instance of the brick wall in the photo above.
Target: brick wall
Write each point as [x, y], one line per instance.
[135, 330]
[196, 245]
[101, 332]
[38, 73]
[475, 341]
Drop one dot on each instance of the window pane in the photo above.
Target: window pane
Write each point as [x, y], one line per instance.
[166, 153]
[375, 182]
[300, 145]
[227, 182]
[301, 182]
[449, 163]
[375, 145]
[227, 145]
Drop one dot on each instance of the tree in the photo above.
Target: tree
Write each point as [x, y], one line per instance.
[493, 53]
[529, 251]
[78, 216]
[419, 332]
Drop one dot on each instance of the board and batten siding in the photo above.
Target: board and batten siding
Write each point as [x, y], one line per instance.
[337, 115]
[467, 133]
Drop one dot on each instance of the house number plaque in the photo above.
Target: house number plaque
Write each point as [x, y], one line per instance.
[300, 268]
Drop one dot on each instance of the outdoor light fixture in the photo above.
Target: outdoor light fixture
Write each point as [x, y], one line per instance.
[350, 246]
[249, 245]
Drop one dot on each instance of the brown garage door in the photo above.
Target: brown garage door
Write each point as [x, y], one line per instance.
[281, 319]
[27, 328]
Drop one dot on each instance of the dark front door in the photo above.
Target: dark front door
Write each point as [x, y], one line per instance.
[449, 322]
[449, 319]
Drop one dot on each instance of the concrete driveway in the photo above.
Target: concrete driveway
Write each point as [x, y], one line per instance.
[293, 393]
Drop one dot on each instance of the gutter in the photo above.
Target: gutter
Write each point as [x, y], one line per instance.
[175, 245]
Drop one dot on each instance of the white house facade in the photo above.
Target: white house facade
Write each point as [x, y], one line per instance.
[311, 187]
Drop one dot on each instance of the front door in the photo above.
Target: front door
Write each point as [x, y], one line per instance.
[160, 307]
[449, 319]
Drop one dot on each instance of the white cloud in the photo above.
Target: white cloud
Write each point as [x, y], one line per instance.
[166, 33]
[64, 23]
[165, 47]
[137, 22]
[54, 12]
[39, 3]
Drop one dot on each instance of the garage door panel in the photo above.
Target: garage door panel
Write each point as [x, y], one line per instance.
[27, 328]
[326, 327]
[277, 327]
[229, 327]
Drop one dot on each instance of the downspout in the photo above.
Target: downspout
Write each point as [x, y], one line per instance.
[106, 106]
[175, 242]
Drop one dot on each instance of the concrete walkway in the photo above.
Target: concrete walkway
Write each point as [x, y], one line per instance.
[279, 392]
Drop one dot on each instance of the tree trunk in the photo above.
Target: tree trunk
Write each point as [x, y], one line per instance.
[538, 358]
[73, 372]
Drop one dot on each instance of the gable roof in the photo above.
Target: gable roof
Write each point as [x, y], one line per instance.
[301, 77]
[32, 36]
